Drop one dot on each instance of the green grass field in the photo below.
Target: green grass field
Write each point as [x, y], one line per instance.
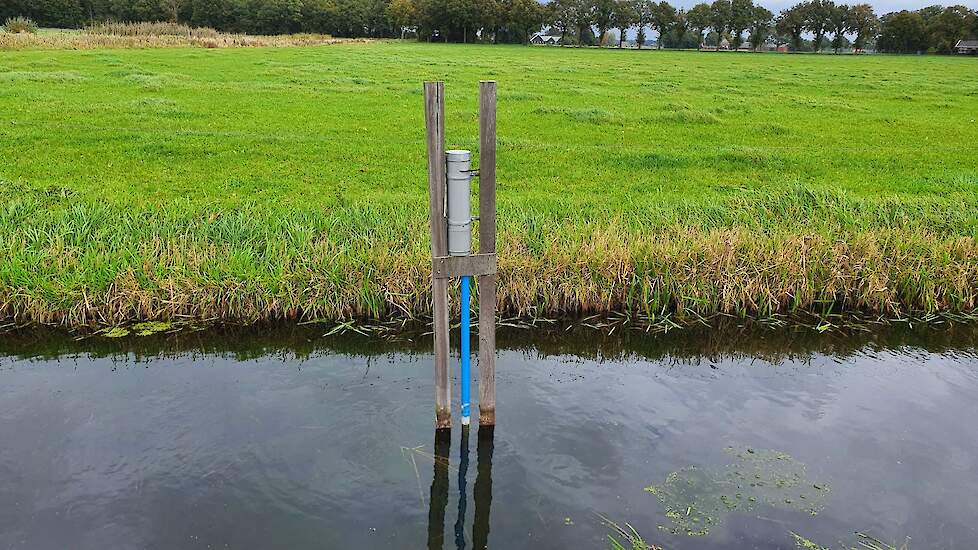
[243, 184]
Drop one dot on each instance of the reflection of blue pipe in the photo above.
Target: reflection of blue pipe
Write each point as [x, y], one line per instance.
[466, 377]
[463, 467]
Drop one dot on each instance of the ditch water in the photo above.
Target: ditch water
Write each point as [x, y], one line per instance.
[288, 439]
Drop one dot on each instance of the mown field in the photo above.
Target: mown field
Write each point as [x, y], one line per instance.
[246, 184]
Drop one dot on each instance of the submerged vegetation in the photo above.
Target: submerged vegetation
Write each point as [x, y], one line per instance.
[695, 500]
[863, 542]
[628, 538]
[251, 184]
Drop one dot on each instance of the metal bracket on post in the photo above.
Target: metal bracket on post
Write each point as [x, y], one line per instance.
[449, 267]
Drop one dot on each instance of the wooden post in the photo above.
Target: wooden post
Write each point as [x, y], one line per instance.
[434, 110]
[487, 245]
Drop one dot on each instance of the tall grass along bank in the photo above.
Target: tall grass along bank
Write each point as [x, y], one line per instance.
[290, 183]
[152, 35]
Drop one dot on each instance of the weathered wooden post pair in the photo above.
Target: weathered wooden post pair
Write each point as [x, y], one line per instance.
[446, 264]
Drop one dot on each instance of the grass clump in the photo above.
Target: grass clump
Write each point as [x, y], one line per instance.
[689, 117]
[627, 537]
[41, 76]
[18, 25]
[588, 115]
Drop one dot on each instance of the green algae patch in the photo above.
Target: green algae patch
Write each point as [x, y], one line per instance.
[696, 499]
[151, 327]
[147, 328]
[115, 332]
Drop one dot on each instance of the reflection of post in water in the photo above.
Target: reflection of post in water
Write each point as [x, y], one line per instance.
[482, 492]
[483, 488]
[463, 468]
[439, 490]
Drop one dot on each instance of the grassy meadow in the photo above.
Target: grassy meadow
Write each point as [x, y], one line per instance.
[266, 183]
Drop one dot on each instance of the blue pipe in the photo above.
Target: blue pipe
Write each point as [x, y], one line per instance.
[465, 375]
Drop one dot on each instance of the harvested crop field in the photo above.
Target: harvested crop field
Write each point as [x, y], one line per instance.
[267, 183]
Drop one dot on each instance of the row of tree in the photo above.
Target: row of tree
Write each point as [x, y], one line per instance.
[839, 26]
[354, 18]
[583, 22]
[933, 28]
[735, 21]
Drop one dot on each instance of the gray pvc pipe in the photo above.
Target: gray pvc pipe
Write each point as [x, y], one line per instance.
[459, 202]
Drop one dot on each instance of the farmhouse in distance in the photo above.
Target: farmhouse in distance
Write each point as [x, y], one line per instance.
[542, 39]
[967, 47]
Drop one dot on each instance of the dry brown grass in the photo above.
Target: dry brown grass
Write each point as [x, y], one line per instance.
[159, 28]
[743, 272]
[683, 271]
[102, 38]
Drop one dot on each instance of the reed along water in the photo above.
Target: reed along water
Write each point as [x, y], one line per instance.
[712, 438]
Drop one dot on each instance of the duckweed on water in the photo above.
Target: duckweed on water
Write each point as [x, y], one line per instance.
[151, 327]
[695, 499]
[147, 328]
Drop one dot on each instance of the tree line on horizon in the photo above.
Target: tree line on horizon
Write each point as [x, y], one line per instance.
[812, 25]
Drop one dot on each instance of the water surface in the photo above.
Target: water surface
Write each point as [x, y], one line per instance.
[288, 439]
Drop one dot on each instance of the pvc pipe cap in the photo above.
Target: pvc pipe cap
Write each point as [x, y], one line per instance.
[458, 155]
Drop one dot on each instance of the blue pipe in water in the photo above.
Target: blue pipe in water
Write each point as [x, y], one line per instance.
[466, 377]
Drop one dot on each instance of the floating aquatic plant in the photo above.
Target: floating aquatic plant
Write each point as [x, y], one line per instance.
[696, 499]
[863, 542]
